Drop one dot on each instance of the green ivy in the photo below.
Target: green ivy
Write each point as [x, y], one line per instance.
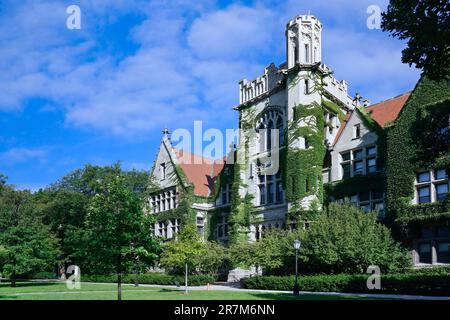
[303, 167]
[406, 141]
[351, 186]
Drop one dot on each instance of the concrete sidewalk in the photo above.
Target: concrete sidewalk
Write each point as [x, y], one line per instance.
[228, 287]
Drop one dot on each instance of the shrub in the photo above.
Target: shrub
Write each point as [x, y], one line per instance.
[346, 240]
[152, 278]
[410, 283]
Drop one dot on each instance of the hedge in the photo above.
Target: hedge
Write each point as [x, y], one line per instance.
[152, 278]
[418, 283]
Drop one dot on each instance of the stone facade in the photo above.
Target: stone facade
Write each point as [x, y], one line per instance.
[350, 144]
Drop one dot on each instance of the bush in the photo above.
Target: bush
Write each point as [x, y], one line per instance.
[346, 240]
[410, 283]
[152, 278]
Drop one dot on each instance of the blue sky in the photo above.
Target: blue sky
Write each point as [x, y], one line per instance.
[105, 92]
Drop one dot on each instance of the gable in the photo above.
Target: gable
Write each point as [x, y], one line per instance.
[164, 161]
[345, 138]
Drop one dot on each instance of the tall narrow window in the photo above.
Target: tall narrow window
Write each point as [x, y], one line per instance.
[307, 53]
[162, 169]
[306, 86]
[280, 131]
[356, 131]
[295, 54]
[269, 135]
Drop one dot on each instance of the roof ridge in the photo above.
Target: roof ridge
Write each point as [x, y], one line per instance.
[389, 99]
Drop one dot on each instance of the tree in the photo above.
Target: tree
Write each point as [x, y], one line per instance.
[345, 239]
[425, 24]
[186, 252]
[274, 253]
[26, 244]
[117, 231]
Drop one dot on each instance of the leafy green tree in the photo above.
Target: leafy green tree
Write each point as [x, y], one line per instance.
[26, 244]
[117, 232]
[345, 239]
[186, 252]
[273, 254]
[425, 24]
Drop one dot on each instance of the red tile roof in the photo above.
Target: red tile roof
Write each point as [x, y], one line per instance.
[388, 110]
[200, 171]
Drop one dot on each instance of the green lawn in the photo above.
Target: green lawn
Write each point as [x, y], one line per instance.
[89, 291]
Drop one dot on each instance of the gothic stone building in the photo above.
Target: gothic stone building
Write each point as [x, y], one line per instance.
[305, 142]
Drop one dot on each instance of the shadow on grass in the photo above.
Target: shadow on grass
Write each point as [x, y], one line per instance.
[27, 284]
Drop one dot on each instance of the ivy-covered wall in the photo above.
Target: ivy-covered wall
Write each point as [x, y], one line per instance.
[303, 167]
[412, 144]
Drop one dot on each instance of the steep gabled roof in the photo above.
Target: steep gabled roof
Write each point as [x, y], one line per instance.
[388, 110]
[383, 112]
[201, 172]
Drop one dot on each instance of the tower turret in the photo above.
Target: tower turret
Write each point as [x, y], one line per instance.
[303, 41]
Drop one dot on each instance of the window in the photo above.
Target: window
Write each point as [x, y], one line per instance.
[358, 168]
[369, 201]
[371, 151]
[431, 186]
[280, 131]
[346, 171]
[200, 226]
[345, 156]
[423, 177]
[440, 174]
[162, 171]
[222, 227]
[425, 252]
[164, 201]
[356, 131]
[441, 191]
[175, 226]
[307, 53]
[226, 193]
[306, 143]
[162, 229]
[262, 194]
[424, 194]
[306, 86]
[270, 190]
[358, 154]
[443, 252]
[268, 122]
[371, 165]
[434, 238]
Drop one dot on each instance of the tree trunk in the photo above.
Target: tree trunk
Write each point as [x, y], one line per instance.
[185, 279]
[119, 286]
[13, 279]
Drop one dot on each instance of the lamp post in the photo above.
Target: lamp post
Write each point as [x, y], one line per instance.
[297, 244]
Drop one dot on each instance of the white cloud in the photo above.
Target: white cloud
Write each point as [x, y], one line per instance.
[21, 155]
[189, 60]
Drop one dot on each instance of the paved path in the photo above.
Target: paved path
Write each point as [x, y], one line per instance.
[227, 287]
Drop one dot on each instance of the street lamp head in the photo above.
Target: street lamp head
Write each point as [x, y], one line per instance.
[297, 244]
